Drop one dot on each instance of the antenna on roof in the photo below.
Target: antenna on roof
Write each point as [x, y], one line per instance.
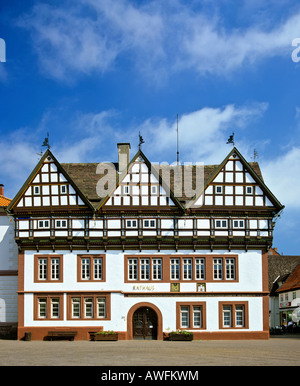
[177, 143]
[231, 139]
[141, 141]
[255, 155]
[46, 141]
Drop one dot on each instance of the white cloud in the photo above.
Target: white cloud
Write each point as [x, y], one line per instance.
[91, 36]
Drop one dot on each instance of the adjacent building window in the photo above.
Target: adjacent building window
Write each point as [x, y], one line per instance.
[48, 268]
[91, 268]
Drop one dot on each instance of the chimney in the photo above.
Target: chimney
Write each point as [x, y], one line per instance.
[123, 155]
[1, 190]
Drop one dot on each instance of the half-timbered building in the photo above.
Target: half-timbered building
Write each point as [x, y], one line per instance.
[119, 247]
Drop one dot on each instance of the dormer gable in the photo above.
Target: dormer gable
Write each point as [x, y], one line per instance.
[48, 186]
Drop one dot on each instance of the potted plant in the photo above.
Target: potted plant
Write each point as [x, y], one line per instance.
[182, 335]
[104, 336]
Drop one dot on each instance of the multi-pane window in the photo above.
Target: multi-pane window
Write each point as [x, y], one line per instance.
[190, 315]
[89, 307]
[44, 223]
[187, 269]
[60, 223]
[227, 316]
[238, 223]
[156, 269]
[98, 268]
[230, 269]
[200, 269]
[131, 223]
[42, 269]
[101, 307]
[181, 268]
[149, 223]
[234, 315]
[55, 308]
[48, 307]
[91, 268]
[85, 268]
[133, 269]
[145, 269]
[175, 269]
[54, 269]
[42, 308]
[218, 269]
[221, 223]
[48, 268]
[184, 317]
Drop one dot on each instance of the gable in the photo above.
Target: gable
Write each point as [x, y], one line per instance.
[140, 186]
[47, 187]
[236, 184]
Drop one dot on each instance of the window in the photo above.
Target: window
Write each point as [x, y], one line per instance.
[238, 224]
[131, 223]
[156, 269]
[48, 268]
[91, 268]
[133, 269]
[219, 189]
[36, 190]
[126, 190]
[63, 189]
[175, 269]
[154, 190]
[149, 223]
[233, 315]
[249, 189]
[218, 269]
[43, 223]
[200, 269]
[92, 306]
[47, 307]
[60, 223]
[182, 268]
[143, 268]
[184, 317]
[187, 269]
[230, 269]
[221, 223]
[190, 315]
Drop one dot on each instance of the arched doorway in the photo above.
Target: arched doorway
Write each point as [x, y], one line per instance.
[144, 324]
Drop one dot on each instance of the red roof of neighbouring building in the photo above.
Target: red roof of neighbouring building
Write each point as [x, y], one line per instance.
[293, 281]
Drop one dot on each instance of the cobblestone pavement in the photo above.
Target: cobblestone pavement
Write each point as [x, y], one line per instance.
[277, 351]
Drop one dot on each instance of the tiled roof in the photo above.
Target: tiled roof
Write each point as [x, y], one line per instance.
[85, 177]
[280, 267]
[293, 282]
[4, 201]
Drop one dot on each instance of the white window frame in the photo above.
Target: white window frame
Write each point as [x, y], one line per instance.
[149, 223]
[227, 316]
[55, 308]
[200, 268]
[76, 308]
[156, 269]
[131, 223]
[197, 316]
[230, 268]
[144, 269]
[55, 265]
[221, 224]
[237, 223]
[133, 269]
[101, 308]
[85, 268]
[42, 302]
[187, 269]
[36, 190]
[175, 268]
[61, 223]
[251, 190]
[43, 224]
[218, 268]
[42, 267]
[184, 316]
[98, 268]
[220, 188]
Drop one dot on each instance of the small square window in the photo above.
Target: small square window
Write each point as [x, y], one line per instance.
[221, 223]
[37, 190]
[63, 189]
[154, 189]
[131, 223]
[249, 189]
[219, 189]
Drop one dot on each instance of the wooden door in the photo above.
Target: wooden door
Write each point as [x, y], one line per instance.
[144, 324]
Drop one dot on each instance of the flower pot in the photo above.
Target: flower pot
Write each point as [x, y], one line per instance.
[105, 337]
[181, 337]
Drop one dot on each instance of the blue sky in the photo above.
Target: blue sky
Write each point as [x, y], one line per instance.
[93, 73]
